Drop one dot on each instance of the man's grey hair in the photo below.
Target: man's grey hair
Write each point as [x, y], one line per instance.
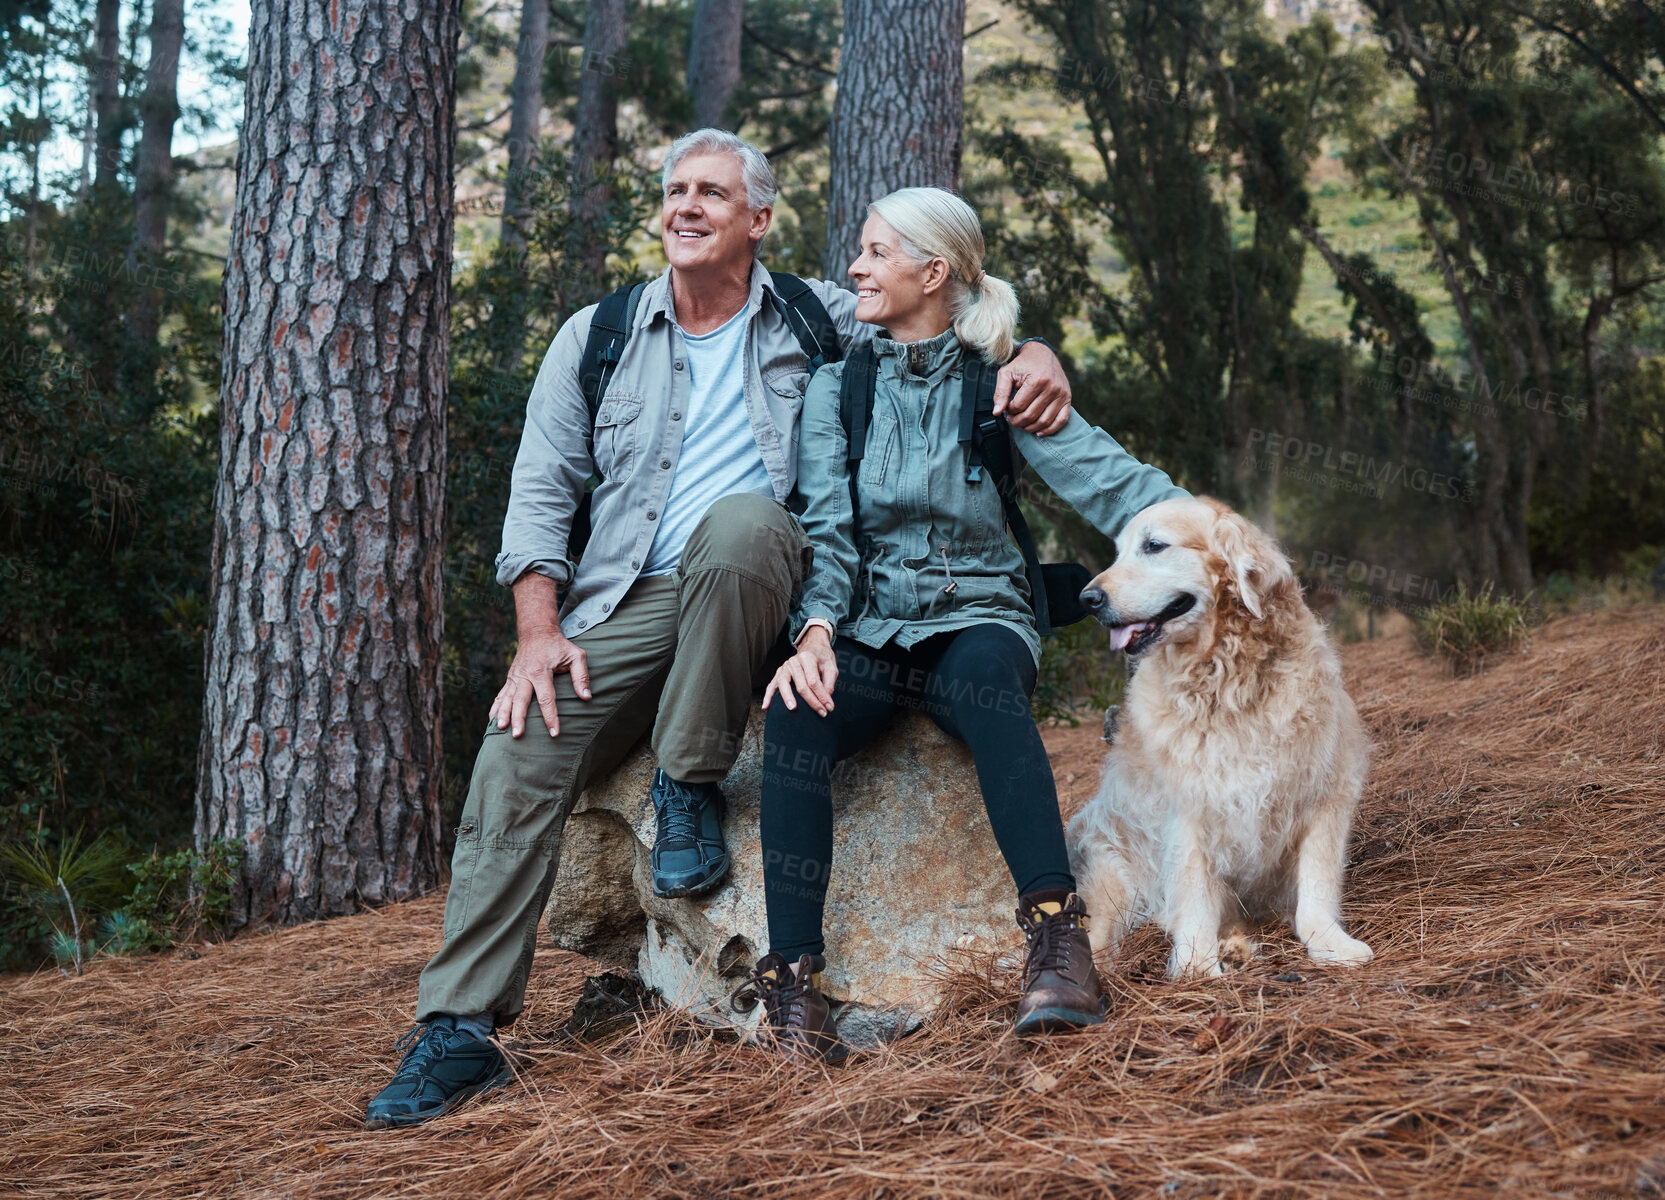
[754, 166]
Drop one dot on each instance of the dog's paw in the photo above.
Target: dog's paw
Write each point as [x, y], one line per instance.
[1197, 967]
[1340, 950]
[1237, 951]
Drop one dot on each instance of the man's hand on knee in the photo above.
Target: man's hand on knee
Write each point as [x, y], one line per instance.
[538, 659]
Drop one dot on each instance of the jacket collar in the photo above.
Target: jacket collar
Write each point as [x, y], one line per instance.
[922, 359]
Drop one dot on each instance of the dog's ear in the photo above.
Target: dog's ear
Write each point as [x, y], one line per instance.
[1252, 561]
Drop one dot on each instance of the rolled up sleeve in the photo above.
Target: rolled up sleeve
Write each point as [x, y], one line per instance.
[824, 484]
[1089, 469]
[551, 466]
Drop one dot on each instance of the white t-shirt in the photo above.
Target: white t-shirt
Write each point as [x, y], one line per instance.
[719, 450]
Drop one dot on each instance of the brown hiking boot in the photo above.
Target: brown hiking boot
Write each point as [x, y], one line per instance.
[797, 1021]
[1060, 985]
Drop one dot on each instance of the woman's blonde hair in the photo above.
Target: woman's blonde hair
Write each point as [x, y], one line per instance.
[935, 223]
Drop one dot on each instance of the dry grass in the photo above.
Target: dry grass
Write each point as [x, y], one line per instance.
[1507, 1040]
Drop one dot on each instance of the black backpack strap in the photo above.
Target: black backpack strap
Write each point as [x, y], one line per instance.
[808, 319]
[610, 329]
[989, 443]
[855, 413]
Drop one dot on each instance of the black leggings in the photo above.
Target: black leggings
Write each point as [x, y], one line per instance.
[975, 684]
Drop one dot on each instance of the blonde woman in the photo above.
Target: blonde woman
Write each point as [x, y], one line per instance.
[931, 611]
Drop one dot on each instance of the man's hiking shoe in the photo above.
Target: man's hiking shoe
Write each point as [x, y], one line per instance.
[1060, 985]
[443, 1066]
[689, 856]
[797, 1021]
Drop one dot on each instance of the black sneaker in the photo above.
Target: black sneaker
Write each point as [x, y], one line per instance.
[442, 1067]
[689, 855]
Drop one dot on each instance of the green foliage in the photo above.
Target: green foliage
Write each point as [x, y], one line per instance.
[1078, 672]
[40, 885]
[177, 895]
[105, 532]
[134, 906]
[1473, 626]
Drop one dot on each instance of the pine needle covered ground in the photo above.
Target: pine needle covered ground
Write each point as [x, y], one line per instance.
[1509, 1038]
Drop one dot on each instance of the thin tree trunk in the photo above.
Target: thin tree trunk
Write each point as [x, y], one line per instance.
[899, 114]
[106, 90]
[153, 175]
[321, 720]
[595, 144]
[714, 61]
[525, 107]
[40, 132]
[88, 134]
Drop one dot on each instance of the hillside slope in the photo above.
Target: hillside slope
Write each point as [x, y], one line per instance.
[1507, 1039]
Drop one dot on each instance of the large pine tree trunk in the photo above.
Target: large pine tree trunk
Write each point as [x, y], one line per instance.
[714, 61]
[899, 113]
[526, 103]
[595, 144]
[321, 721]
[153, 177]
[106, 90]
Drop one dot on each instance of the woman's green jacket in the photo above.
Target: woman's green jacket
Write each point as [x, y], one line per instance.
[937, 555]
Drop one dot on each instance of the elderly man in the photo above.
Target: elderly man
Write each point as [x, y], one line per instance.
[669, 618]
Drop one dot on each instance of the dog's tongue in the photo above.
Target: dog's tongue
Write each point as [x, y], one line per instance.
[1121, 635]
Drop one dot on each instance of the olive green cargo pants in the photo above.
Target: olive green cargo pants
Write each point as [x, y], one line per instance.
[681, 655]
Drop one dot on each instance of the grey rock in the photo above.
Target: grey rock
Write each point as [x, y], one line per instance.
[916, 875]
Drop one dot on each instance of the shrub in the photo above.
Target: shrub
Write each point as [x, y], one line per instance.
[134, 907]
[49, 892]
[1472, 626]
[179, 895]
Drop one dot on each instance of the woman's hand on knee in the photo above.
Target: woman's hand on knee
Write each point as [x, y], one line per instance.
[812, 672]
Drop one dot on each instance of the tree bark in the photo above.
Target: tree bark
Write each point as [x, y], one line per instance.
[714, 61]
[526, 105]
[106, 91]
[153, 175]
[321, 720]
[595, 144]
[899, 114]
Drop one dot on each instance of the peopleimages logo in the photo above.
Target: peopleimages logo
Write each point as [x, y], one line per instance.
[1315, 459]
[1400, 589]
[1545, 401]
[1470, 173]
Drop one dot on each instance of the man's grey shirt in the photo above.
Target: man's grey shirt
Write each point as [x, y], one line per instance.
[636, 441]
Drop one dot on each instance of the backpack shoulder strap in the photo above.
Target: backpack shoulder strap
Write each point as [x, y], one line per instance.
[855, 413]
[988, 442]
[610, 329]
[808, 319]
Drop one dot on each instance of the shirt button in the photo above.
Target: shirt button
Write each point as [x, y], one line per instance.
[652, 516]
[675, 416]
[607, 606]
[582, 622]
[679, 364]
[665, 463]
[635, 563]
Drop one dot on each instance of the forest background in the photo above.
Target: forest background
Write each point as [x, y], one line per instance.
[1390, 278]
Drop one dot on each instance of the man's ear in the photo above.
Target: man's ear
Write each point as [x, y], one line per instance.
[1252, 561]
[761, 219]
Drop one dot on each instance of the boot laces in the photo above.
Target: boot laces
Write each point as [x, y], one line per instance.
[781, 992]
[679, 816]
[422, 1044]
[1049, 941]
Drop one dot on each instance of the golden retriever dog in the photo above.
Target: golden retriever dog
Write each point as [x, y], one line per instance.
[1238, 758]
